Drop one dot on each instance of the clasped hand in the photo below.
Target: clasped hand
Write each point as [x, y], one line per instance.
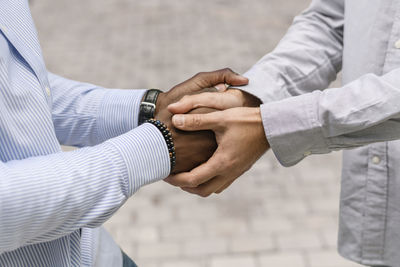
[233, 117]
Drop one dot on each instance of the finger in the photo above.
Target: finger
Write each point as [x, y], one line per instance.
[225, 186]
[197, 122]
[206, 189]
[209, 79]
[198, 175]
[212, 100]
[221, 87]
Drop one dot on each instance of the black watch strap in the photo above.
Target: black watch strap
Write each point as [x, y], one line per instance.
[148, 105]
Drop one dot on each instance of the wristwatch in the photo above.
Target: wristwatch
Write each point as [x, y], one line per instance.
[148, 105]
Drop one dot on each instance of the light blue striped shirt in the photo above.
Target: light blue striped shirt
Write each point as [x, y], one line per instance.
[51, 202]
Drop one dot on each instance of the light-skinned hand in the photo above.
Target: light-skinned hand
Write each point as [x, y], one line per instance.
[241, 142]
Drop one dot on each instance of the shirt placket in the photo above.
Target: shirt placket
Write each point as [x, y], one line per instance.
[373, 234]
[376, 193]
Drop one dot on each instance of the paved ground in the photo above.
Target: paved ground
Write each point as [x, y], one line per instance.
[272, 216]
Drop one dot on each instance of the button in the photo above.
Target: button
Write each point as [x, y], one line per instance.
[47, 90]
[308, 153]
[376, 160]
[397, 44]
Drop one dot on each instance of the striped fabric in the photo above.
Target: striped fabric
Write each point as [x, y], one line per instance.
[52, 201]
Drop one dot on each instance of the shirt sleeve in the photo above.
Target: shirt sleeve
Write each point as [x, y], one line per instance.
[306, 59]
[362, 112]
[86, 115]
[47, 197]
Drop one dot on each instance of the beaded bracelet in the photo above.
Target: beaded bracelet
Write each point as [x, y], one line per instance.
[168, 139]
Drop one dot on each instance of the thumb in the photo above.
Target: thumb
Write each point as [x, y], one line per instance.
[210, 79]
[219, 101]
[189, 102]
[196, 122]
[233, 78]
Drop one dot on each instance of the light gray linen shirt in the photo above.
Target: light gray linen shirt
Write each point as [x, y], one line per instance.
[363, 116]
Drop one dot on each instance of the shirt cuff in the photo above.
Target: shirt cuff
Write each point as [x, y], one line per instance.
[263, 85]
[118, 112]
[293, 128]
[144, 153]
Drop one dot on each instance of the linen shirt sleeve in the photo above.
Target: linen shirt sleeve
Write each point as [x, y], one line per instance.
[85, 114]
[362, 112]
[50, 196]
[306, 59]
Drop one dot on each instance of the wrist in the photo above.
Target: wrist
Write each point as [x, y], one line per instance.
[252, 118]
[250, 115]
[142, 149]
[148, 105]
[160, 103]
[246, 99]
[168, 139]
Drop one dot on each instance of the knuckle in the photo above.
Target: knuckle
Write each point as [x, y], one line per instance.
[196, 120]
[192, 182]
[219, 101]
[228, 70]
[228, 163]
[200, 74]
[185, 98]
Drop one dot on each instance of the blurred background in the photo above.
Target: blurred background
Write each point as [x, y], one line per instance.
[272, 216]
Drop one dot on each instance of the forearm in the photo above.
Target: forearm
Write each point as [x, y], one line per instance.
[360, 113]
[86, 115]
[306, 59]
[44, 198]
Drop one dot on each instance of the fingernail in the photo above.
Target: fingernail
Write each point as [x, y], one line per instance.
[220, 87]
[178, 120]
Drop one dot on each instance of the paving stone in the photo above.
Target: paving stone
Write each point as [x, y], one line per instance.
[284, 259]
[329, 259]
[139, 234]
[330, 238]
[182, 263]
[197, 212]
[158, 250]
[271, 224]
[153, 216]
[287, 207]
[205, 247]
[252, 243]
[227, 227]
[325, 206]
[181, 231]
[299, 241]
[233, 261]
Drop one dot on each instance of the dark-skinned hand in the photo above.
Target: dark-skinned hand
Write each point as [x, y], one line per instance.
[193, 148]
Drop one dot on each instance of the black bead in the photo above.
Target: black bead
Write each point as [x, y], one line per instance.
[168, 139]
